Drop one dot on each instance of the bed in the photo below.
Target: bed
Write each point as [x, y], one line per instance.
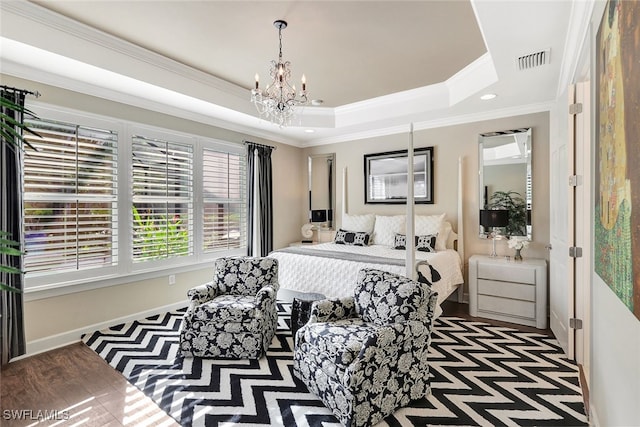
[331, 268]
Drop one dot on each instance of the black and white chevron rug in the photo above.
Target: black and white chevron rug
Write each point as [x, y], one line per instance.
[481, 375]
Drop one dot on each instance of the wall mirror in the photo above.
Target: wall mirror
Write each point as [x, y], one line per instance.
[322, 184]
[505, 181]
[385, 176]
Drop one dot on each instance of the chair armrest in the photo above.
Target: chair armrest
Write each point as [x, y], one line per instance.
[396, 338]
[329, 310]
[202, 293]
[267, 294]
[403, 346]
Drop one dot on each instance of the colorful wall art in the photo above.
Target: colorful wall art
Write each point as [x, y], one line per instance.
[617, 186]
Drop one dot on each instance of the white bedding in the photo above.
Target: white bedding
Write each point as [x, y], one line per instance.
[336, 278]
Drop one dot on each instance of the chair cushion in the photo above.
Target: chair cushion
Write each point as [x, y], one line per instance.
[384, 298]
[245, 275]
[228, 308]
[338, 342]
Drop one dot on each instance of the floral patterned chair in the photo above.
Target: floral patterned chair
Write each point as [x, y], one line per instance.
[234, 316]
[366, 356]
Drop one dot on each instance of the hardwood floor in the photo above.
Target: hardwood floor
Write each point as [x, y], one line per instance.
[73, 386]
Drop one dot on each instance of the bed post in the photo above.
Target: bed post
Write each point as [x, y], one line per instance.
[460, 226]
[410, 220]
[344, 192]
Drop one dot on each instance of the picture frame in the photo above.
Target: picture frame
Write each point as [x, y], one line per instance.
[617, 152]
[385, 176]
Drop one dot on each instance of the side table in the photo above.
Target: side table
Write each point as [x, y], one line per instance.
[301, 310]
[510, 291]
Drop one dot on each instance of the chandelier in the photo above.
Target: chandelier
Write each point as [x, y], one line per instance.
[278, 101]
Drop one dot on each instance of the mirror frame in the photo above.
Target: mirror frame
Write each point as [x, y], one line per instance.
[331, 157]
[527, 198]
[424, 178]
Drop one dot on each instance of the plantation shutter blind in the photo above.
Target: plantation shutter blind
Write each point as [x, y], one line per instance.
[70, 195]
[224, 200]
[162, 190]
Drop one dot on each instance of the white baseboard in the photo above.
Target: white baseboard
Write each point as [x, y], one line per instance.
[70, 337]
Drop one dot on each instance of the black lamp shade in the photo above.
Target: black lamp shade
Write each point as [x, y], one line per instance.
[494, 218]
[318, 215]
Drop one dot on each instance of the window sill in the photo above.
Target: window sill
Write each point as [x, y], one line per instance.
[34, 293]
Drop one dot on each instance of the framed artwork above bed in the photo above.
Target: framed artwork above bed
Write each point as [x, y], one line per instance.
[385, 176]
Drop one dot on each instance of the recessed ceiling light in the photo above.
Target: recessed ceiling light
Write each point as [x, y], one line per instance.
[309, 131]
[488, 96]
[317, 102]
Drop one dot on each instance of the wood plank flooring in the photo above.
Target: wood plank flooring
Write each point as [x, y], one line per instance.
[73, 386]
[76, 387]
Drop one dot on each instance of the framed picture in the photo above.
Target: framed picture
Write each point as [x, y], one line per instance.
[385, 176]
[617, 183]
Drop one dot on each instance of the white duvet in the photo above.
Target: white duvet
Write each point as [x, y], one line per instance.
[336, 278]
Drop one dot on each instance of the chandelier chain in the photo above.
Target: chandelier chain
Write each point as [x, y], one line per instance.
[280, 38]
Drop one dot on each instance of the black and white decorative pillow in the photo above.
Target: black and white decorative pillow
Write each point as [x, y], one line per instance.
[426, 243]
[423, 243]
[400, 241]
[344, 237]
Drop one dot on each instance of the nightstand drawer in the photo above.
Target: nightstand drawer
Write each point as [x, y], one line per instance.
[507, 290]
[513, 273]
[505, 306]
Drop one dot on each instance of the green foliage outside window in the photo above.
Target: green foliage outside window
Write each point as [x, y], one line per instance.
[155, 236]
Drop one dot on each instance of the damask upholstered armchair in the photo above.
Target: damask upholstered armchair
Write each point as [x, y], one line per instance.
[234, 316]
[366, 356]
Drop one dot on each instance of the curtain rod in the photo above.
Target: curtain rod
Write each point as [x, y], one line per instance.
[15, 89]
[261, 145]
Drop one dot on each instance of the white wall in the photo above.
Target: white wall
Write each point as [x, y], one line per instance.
[61, 319]
[615, 359]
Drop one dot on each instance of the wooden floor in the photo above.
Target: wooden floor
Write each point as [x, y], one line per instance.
[74, 386]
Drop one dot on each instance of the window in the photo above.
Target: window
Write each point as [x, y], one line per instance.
[105, 199]
[162, 189]
[225, 213]
[70, 195]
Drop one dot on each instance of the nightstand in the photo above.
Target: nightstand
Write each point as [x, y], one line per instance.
[507, 290]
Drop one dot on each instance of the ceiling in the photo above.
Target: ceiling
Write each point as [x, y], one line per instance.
[376, 65]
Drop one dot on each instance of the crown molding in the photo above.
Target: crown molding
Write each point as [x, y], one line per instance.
[24, 71]
[575, 43]
[435, 123]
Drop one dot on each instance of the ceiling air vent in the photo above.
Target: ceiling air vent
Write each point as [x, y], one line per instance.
[534, 60]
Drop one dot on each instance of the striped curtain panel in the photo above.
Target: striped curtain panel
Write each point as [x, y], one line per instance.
[11, 303]
[260, 200]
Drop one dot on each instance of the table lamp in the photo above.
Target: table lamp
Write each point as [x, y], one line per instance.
[492, 218]
[318, 215]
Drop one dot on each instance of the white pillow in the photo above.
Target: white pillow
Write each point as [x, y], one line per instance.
[358, 223]
[386, 227]
[433, 224]
[428, 224]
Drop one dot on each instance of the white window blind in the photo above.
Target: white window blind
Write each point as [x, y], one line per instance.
[162, 196]
[70, 194]
[224, 200]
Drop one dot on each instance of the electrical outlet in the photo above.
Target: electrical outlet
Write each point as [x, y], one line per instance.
[172, 279]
